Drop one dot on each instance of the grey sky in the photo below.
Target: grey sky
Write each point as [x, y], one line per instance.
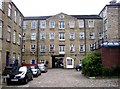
[53, 7]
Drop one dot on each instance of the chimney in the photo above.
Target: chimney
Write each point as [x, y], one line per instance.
[113, 1]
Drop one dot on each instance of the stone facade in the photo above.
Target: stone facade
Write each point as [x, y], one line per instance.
[60, 40]
[11, 34]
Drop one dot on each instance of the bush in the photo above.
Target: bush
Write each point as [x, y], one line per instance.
[92, 64]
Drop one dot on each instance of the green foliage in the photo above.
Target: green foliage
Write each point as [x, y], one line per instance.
[92, 64]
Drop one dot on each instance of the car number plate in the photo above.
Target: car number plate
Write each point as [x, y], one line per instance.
[14, 79]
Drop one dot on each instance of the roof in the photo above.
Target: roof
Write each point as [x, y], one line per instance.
[76, 16]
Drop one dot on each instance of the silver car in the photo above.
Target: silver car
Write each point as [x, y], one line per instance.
[43, 68]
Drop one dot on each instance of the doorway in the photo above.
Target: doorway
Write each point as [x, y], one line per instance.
[57, 62]
[7, 58]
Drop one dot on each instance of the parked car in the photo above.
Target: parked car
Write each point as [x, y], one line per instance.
[35, 70]
[7, 70]
[21, 74]
[79, 66]
[43, 68]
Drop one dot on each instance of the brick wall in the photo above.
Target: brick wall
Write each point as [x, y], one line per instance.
[110, 56]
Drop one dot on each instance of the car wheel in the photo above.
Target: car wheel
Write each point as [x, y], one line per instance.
[31, 77]
[26, 80]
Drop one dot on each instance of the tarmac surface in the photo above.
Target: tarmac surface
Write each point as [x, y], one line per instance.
[67, 78]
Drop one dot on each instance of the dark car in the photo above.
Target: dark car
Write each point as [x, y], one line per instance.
[79, 67]
[43, 68]
[21, 74]
[7, 70]
[35, 70]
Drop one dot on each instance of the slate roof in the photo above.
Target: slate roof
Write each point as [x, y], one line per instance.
[76, 16]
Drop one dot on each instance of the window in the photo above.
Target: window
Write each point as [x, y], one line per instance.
[61, 36]
[1, 4]
[91, 47]
[69, 62]
[15, 16]
[8, 35]
[72, 48]
[24, 36]
[72, 23]
[19, 58]
[33, 61]
[33, 36]
[82, 48]
[52, 24]
[33, 25]
[43, 61]
[20, 20]
[100, 35]
[14, 37]
[42, 36]
[61, 25]
[52, 36]
[92, 35]
[19, 39]
[43, 24]
[24, 25]
[32, 48]
[91, 23]
[81, 36]
[52, 48]
[105, 25]
[81, 23]
[23, 48]
[72, 35]
[0, 29]
[10, 10]
[13, 57]
[42, 48]
[61, 49]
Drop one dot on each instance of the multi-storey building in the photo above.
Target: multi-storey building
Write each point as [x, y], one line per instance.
[60, 41]
[111, 21]
[10, 33]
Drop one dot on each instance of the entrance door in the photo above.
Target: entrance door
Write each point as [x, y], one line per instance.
[7, 58]
[69, 62]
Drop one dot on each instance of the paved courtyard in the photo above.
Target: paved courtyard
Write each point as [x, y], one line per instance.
[67, 78]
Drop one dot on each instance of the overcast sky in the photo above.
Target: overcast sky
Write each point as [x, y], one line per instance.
[53, 7]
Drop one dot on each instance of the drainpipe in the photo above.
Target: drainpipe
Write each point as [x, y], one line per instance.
[85, 35]
[38, 41]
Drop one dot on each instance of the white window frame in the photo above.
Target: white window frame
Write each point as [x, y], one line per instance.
[82, 35]
[72, 48]
[33, 25]
[81, 23]
[91, 23]
[24, 25]
[23, 36]
[61, 36]
[1, 4]
[52, 24]
[20, 20]
[15, 15]
[19, 39]
[82, 48]
[100, 35]
[61, 24]
[14, 36]
[33, 36]
[52, 35]
[72, 23]
[32, 48]
[8, 34]
[10, 10]
[42, 48]
[43, 24]
[61, 49]
[23, 48]
[1, 29]
[13, 57]
[42, 35]
[51, 47]
[72, 35]
[92, 35]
